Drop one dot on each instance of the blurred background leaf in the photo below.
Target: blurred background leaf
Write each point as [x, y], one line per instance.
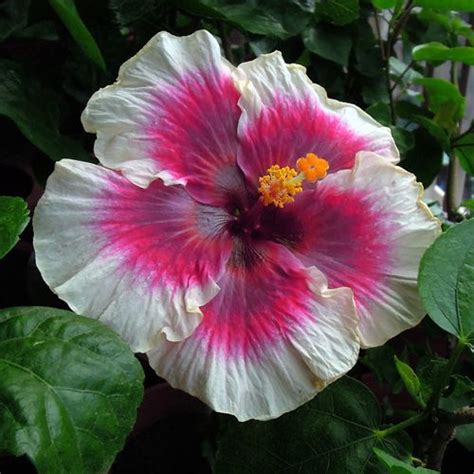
[13, 220]
[67, 11]
[35, 110]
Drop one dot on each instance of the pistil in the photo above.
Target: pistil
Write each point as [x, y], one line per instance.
[280, 185]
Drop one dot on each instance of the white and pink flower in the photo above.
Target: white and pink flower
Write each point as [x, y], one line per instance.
[249, 285]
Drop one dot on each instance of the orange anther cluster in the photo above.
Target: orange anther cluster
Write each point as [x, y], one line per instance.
[312, 167]
[279, 185]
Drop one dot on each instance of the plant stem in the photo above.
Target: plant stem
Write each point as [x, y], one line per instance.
[400, 77]
[449, 201]
[434, 399]
[402, 425]
[385, 52]
[442, 437]
[392, 36]
[446, 374]
[389, 89]
[444, 433]
[469, 130]
[456, 175]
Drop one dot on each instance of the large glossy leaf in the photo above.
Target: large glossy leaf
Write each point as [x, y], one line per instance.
[446, 281]
[13, 220]
[437, 52]
[366, 47]
[67, 11]
[332, 434]
[277, 19]
[403, 139]
[435, 130]
[464, 149]
[425, 159]
[329, 43]
[35, 110]
[447, 5]
[69, 390]
[380, 112]
[445, 101]
[451, 21]
[381, 4]
[339, 12]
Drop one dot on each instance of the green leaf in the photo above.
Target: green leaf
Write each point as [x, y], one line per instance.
[69, 387]
[334, 433]
[23, 100]
[445, 101]
[446, 281]
[469, 203]
[374, 89]
[425, 159]
[429, 371]
[380, 361]
[447, 5]
[410, 380]
[266, 17]
[130, 11]
[329, 43]
[305, 5]
[460, 396]
[407, 110]
[382, 4]
[42, 30]
[13, 16]
[67, 11]
[450, 21]
[13, 220]
[437, 52]
[367, 50]
[380, 112]
[434, 130]
[403, 139]
[397, 68]
[464, 149]
[461, 393]
[396, 466]
[339, 12]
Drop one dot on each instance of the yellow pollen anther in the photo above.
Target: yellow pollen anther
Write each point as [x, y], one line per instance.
[313, 167]
[280, 185]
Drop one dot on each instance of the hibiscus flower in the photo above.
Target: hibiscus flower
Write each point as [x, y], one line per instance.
[246, 232]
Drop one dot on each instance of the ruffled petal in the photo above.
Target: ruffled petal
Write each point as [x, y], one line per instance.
[172, 114]
[365, 229]
[271, 339]
[141, 260]
[285, 116]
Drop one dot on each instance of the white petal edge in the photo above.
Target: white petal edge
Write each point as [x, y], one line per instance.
[285, 376]
[116, 113]
[415, 229]
[259, 79]
[69, 257]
